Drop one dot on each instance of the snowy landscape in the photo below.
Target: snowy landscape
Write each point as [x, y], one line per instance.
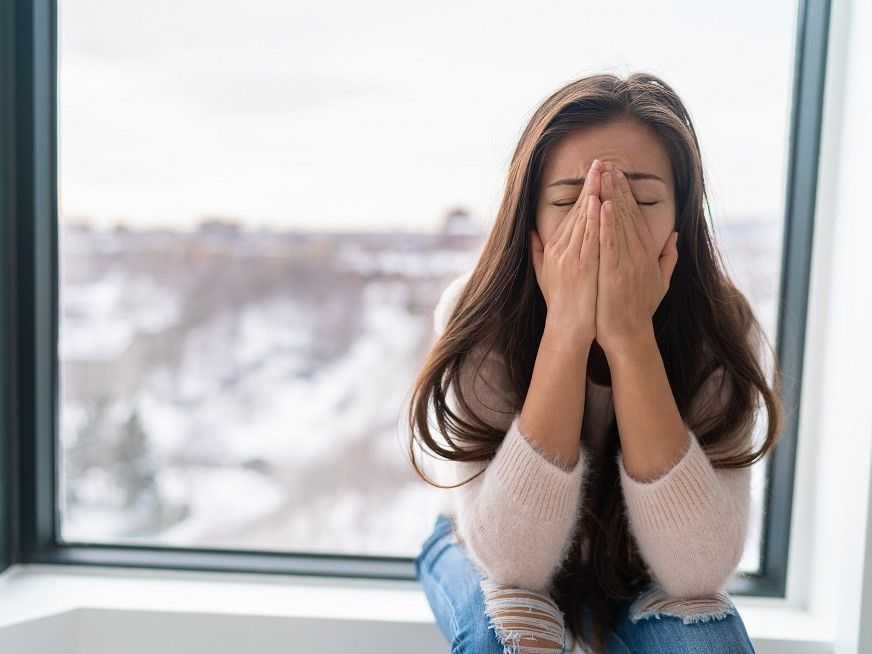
[226, 387]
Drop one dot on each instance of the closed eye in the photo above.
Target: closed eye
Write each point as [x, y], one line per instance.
[570, 203]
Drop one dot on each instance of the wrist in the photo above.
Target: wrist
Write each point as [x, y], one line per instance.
[630, 348]
[567, 337]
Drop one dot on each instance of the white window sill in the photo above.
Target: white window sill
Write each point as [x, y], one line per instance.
[79, 609]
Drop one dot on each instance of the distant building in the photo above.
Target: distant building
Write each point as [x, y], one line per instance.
[218, 227]
[459, 222]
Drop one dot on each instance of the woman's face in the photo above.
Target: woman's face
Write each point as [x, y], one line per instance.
[633, 148]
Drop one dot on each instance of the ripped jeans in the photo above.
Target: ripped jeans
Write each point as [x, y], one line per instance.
[476, 615]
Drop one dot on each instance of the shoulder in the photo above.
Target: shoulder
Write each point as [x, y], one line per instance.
[483, 374]
[717, 378]
[447, 301]
[481, 355]
[712, 404]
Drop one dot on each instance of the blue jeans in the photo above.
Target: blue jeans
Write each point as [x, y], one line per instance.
[451, 583]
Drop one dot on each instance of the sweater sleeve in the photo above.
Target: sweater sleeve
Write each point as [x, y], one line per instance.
[516, 518]
[691, 522]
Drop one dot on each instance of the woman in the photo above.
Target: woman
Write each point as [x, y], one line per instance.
[595, 385]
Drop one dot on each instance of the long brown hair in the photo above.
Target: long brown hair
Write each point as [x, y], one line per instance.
[701, 326]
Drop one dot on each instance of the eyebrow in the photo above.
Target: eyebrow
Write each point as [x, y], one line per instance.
[579, 181]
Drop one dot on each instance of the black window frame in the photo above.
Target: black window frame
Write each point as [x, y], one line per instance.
[29, 399]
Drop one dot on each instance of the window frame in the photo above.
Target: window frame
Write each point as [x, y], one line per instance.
[29, 285]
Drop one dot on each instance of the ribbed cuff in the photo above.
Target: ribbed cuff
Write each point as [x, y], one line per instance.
[687, 489]
[531, 479]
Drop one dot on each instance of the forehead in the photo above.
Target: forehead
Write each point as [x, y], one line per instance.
[628, 143]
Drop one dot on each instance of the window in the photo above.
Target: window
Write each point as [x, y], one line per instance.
[248, 212]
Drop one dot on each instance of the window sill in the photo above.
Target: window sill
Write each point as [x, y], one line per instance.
[106, 609]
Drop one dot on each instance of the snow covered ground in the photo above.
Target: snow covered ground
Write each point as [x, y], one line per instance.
[222, 401]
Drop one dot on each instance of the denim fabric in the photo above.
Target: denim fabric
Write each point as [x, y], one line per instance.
[452, 585]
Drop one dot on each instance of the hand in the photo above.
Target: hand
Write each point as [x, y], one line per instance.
[568, 264]
[634, 273]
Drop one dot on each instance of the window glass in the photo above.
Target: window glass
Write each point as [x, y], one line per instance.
[261, 201]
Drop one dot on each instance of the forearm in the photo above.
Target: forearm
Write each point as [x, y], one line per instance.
[517, 517]
[653, 434]
[689, 519]
[554, 407]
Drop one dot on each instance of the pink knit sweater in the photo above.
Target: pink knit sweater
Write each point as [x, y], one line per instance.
[517, 518]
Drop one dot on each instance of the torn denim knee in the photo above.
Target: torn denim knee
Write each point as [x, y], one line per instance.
[654, 602]
[526, 622]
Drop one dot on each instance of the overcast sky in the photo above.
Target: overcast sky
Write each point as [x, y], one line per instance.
[383, 115]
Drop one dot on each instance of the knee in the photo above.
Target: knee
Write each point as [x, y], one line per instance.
[708, 624]
[523, 621]
[712, 634]
[690, 611]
